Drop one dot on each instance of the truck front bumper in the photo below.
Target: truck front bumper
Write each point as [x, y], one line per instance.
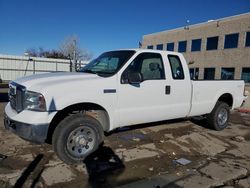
[29, 125]
[34, 133]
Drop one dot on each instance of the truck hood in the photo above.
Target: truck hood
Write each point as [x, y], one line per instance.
[40, 81]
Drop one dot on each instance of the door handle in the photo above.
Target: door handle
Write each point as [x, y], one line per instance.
[168, 90]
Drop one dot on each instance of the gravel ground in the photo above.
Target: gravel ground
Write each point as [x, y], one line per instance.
[139, 156]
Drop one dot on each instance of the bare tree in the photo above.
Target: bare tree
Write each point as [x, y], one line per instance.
[40, 52]
[70, 45]
[32, 52]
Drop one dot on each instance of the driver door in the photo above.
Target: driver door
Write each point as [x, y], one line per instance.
[145, 101]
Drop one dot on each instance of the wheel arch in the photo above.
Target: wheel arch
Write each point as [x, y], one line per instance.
[226, 98]
[92, 109]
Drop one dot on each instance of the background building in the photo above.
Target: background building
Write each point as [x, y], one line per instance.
[217, 49]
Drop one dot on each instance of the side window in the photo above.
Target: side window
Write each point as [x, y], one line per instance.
[176, 67]
[149, 65]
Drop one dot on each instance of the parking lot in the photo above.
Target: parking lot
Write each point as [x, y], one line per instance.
[179, 153]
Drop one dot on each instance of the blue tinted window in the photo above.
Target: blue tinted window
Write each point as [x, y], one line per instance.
[182, 46]
[212, 43]
[227, 73]
[245, 75]
[196, 45]
[209, 73]
[248, 39]
[194, 73]
[170, 46]
[151, 47]
[159, 47]
[231, 41]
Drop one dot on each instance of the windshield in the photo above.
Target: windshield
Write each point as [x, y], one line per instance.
[108, 63]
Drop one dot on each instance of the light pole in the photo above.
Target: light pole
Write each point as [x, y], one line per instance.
[74, 57]
[29, 59]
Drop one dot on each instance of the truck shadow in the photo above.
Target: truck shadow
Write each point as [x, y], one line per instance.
[103, 167]
[145, 125]
[196, 120]
[200, 121]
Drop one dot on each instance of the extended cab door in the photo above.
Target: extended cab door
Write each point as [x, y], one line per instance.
[181, 88]
[154, 98]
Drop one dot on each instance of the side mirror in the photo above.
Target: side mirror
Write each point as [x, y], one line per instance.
[134, 78]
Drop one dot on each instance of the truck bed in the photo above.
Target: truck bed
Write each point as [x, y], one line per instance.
[205, 94]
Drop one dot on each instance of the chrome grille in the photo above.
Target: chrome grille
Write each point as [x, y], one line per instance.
[16, 96]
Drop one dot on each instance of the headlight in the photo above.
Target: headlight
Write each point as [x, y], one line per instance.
[34, 101]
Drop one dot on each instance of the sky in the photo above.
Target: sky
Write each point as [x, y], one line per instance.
[101, 25]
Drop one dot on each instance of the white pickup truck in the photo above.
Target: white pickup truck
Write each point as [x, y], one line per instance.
[119, 88]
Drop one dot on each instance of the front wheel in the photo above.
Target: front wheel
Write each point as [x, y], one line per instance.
[219, 117]
[76, 137]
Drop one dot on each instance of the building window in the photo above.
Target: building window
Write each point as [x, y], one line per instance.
[170, 46]
[227, 73]
[209, 73]
[159, 47]
[245, 74]
[194, 73]
[150, 47]
[182, 47]
[212, 43]
[231, 41]
[196, 45]
[247, 39]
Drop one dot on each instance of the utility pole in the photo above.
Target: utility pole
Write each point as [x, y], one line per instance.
[74, 57]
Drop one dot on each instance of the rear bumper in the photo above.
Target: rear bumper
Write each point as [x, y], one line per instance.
[34, 133]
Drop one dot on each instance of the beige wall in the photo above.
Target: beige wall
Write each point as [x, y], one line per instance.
[237, 57]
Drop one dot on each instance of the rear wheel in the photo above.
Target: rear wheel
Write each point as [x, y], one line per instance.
[219, 117]
[76, 137]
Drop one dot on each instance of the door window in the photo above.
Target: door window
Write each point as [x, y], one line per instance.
[149, 65]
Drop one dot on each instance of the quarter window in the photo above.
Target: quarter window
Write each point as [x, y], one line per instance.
[182, 47]
[176, 67]
[212, 43]
[231, 41]
[227, 73]
[196, 45]
[170, 46]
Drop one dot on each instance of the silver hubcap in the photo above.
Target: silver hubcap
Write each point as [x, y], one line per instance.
[222, 117]
[81, 141]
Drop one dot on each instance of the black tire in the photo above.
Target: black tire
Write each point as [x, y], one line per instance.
[77, 134]
[219, 117]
